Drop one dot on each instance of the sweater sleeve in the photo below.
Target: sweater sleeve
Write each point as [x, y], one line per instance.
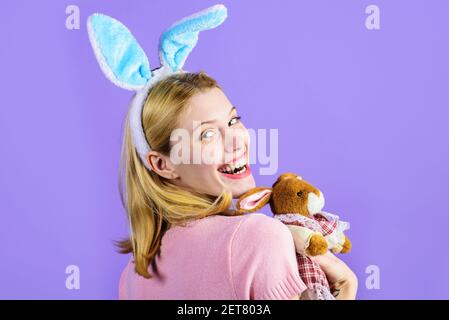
[263, 260]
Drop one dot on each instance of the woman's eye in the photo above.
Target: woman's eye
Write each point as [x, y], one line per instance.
[207, 134]
[234, 121]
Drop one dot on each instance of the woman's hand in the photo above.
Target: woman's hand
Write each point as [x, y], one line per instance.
[342, 280]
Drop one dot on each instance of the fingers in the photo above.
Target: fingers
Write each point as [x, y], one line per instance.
[326, 259]
[334, 268]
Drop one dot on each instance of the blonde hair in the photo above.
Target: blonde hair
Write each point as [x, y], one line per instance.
[153, 203]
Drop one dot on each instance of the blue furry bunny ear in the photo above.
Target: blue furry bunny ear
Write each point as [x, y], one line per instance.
[120, 56]
[177, 42]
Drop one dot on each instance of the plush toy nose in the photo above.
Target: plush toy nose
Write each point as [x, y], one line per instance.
[314, 203]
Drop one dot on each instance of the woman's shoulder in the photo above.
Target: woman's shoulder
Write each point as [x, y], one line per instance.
[253, 227]
[258, 219]
[254, 218]
[261, 220]
[261, 227]
[252, 233]
[249, 223]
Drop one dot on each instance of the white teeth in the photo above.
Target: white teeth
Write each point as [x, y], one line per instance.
[240, 163]
[230, 170]
[231, 167]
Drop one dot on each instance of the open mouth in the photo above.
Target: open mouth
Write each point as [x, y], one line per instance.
[238, 169]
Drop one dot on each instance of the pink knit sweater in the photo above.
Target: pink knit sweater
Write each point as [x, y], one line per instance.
[218, 257]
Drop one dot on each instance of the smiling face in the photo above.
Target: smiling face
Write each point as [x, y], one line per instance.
[218, 147]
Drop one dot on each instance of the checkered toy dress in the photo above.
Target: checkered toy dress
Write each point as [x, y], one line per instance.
[332, 229]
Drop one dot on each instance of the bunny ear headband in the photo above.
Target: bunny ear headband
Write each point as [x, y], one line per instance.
[124, 62]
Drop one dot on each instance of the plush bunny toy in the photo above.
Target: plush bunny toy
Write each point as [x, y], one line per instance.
[298, 204]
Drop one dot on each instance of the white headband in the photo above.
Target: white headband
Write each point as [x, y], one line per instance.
[124, 62]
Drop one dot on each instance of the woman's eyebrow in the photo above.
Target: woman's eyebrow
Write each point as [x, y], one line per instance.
[211, 121]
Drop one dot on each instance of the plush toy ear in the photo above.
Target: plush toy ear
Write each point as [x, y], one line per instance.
[176, 43]
[120, 56]
[289, 175]
[254, 199]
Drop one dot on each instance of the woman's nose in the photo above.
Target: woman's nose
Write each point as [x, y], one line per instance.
[234, 140]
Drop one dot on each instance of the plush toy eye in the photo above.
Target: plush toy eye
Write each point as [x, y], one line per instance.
[299, 194]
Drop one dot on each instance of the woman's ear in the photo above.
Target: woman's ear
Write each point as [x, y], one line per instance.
[161, 165]
[254, 199]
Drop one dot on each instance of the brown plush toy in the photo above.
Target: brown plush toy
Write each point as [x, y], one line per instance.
[299, 205]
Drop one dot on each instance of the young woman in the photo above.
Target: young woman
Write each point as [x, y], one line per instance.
[186, 240]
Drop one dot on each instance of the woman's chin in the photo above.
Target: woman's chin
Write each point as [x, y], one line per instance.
[241, 186]
[238, 183]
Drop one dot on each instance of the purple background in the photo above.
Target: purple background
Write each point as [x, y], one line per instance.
[362, 114]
